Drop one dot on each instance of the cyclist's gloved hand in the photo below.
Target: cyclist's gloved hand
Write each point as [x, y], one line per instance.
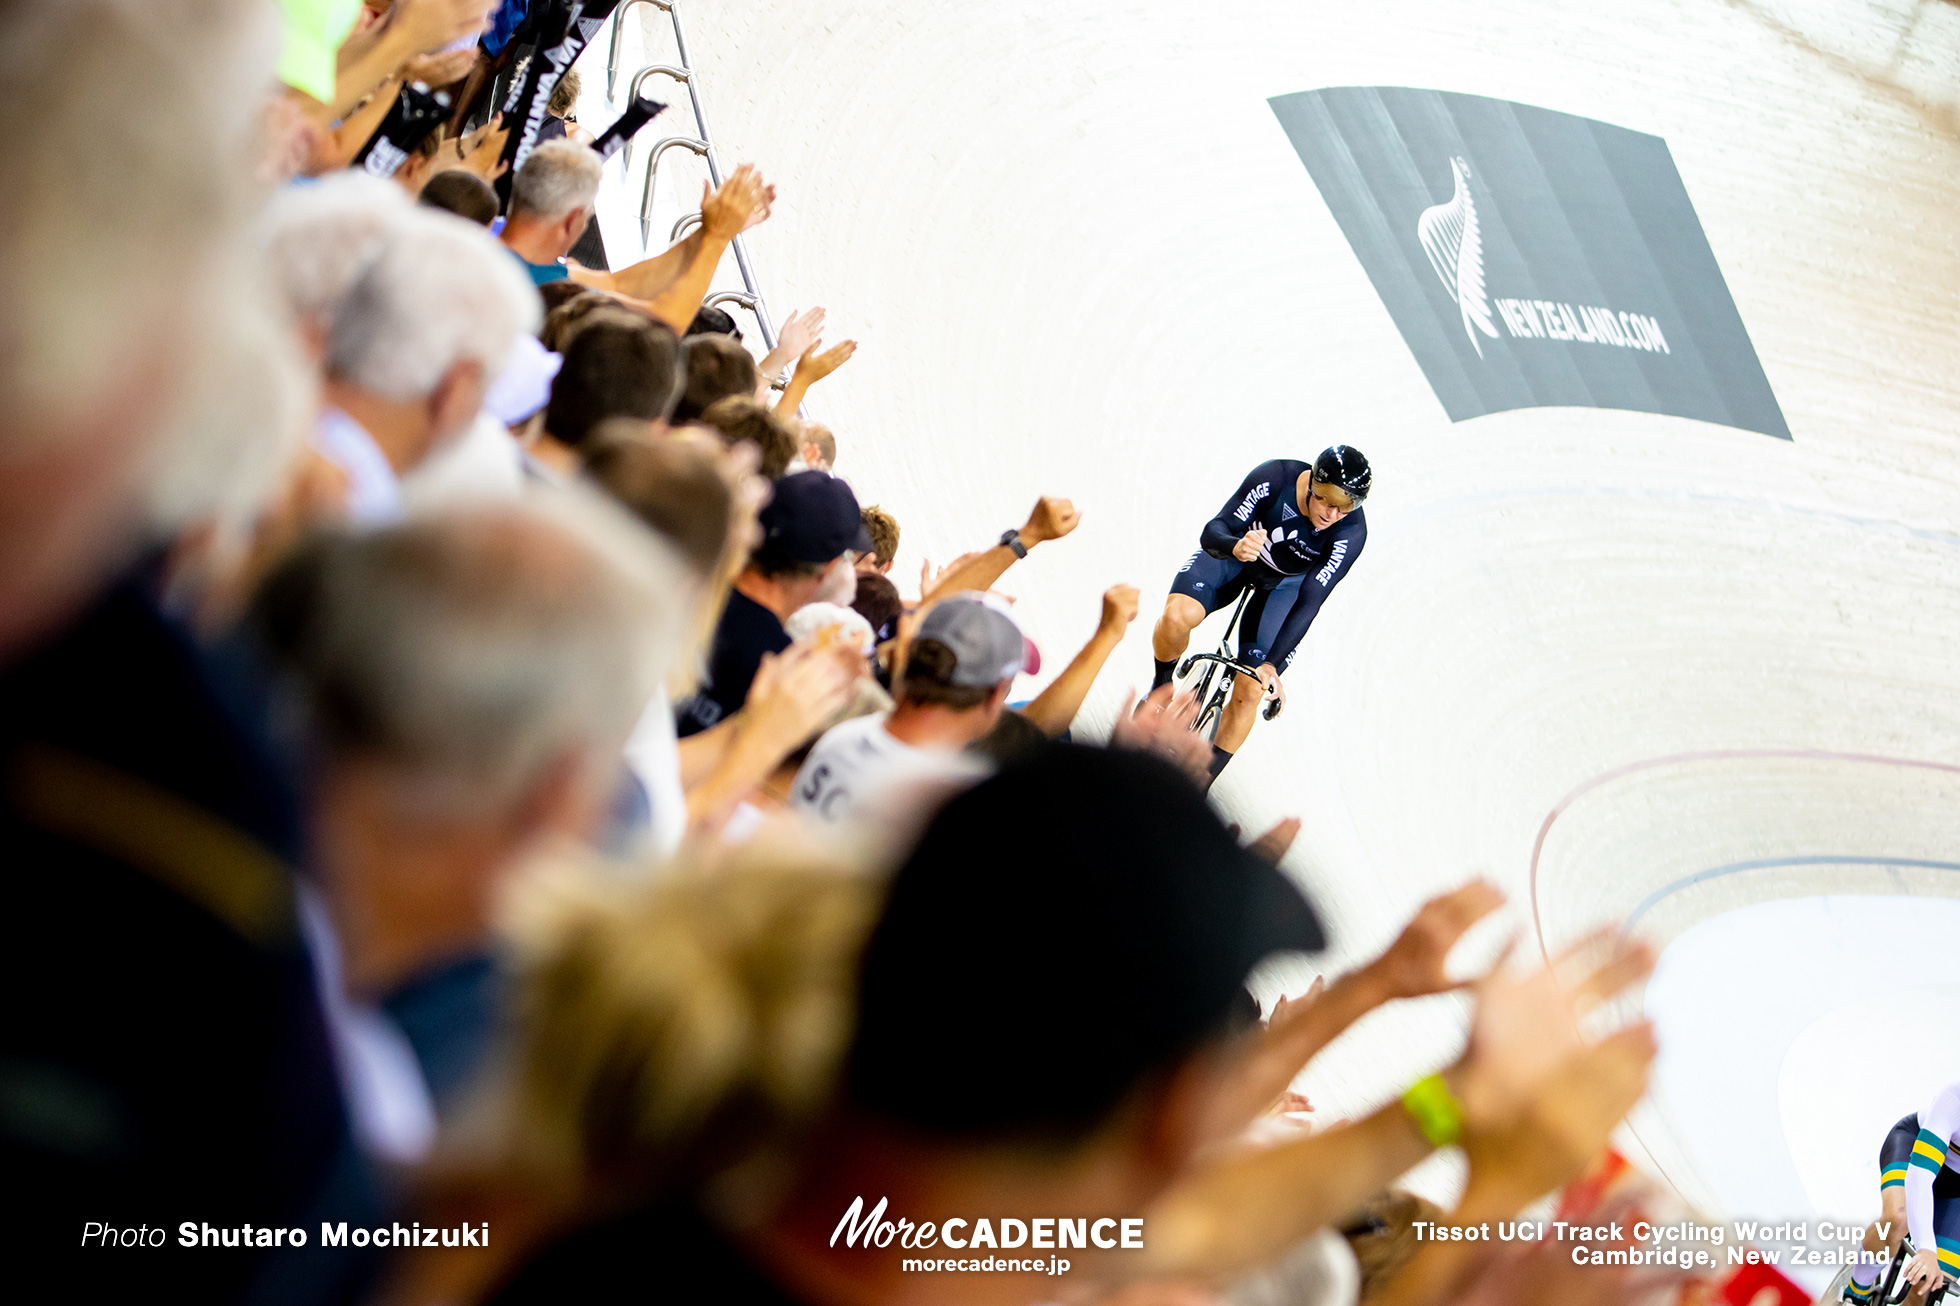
[1247, 549]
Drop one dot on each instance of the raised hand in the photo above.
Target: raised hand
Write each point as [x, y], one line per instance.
[481, 151]
[797, 690]
[1272, 846]
[801, 332]
[741, 202]
[1119, 607]
[1051, 519]
[1161, 724]
[812, 367]
[1247, 549]
[1413, 966]
[438, 70]
[1524, 1031]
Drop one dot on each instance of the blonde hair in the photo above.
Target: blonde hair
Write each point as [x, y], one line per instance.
[669, 1033]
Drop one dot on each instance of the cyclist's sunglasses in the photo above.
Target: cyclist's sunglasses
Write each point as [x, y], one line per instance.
[1335, 497]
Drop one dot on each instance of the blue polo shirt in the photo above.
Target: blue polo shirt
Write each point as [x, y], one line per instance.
[540, 272]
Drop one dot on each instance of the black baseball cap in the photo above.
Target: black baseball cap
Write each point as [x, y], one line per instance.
[812, 517]
[1061, 931]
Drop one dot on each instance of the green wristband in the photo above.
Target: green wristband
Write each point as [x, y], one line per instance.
[1435, 1110]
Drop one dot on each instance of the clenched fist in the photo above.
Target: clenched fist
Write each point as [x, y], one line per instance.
[1051, 519]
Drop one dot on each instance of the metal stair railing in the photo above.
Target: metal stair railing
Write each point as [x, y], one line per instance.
[702, 143]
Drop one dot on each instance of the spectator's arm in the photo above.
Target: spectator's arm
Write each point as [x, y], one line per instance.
[673, 284]
[1055, 707]
[1512, 1167]
[1532, 1095]
[800, 333]
[812, 367]
[1051, 519]
[793, 694]
[1412, 967]
[346, 140]
[412, 27]
[645, 279]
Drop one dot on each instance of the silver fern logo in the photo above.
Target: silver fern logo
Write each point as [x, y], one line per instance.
[1449, 235]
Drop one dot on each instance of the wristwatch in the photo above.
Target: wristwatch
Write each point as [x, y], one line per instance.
[1012, 539]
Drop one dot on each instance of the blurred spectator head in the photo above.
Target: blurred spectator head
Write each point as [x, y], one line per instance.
[713, 367]
[466, 681]
[1076, 868]
[320, 237]
[810, 531]
[429, 323]
[557, 294]
[744, 421]
[673, 486]
[878, 602]
[841, 624]
[965, 656]
[467, 653]
[463, 193]
[574, 313]
[556, 188]
[129, 138]
[819, 446]
[710, 321]
[613, 368]
[883, 528]
[666, 1037]
[1013, 738]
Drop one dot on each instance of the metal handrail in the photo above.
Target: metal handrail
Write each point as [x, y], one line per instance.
[680, 75]
[687, 220]
[702, 144]
[688, 143]
[612, 50]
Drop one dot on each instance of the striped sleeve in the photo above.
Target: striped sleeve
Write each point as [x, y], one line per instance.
[1928, 1152]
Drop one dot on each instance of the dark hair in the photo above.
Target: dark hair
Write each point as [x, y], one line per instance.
[929, 679]
[1013, 738]
[877, 602]
[776, 567]
[884, 534]
[712, 322]
[463, 193]
[611, 369]
[557, 294]
[671, 485]
[712, 367]
[741, 419]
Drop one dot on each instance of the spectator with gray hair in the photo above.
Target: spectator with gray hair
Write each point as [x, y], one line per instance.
[554, 196]
[415, 344]
[164, 1047]
[464, 684]
[319, 238]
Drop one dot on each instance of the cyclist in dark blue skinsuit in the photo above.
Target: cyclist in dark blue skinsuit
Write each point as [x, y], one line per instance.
[1290, 532]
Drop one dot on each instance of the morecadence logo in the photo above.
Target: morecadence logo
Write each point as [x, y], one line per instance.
[1532, 258]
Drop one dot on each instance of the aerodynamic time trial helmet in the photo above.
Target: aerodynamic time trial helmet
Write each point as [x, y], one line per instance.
[1344, 466]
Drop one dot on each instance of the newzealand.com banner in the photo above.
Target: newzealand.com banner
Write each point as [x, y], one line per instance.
[1531, 258]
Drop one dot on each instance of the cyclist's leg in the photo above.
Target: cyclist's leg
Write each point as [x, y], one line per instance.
[1202, 585]
[1260, 625]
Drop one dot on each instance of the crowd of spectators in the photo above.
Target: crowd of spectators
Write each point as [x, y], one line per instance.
[465, 765]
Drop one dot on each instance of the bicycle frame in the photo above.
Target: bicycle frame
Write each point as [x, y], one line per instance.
[1213, 700]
